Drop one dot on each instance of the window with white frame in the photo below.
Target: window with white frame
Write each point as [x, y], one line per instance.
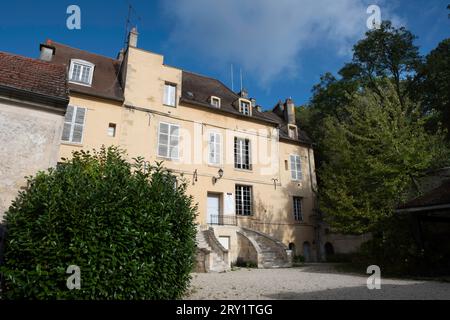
[296, 167]
[244, 107]
[298, 215]
[214, 148]
[242, 154]
[81, 72]
[74, 124]
[215, 101]
[168, 140]
[243, 200]
[170, 93]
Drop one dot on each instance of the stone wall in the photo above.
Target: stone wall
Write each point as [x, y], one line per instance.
[246, 251]
[29, 142]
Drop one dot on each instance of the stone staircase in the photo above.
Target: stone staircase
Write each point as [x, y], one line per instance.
[215, 255]
[271, 252]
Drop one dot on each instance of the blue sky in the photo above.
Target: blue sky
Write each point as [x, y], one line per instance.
[282, 46]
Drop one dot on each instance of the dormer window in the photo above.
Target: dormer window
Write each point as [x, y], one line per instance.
[81, 72]
[245, 107]
[292, 132]
[214, 101]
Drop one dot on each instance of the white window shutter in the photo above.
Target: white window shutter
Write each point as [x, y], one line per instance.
[293, 173]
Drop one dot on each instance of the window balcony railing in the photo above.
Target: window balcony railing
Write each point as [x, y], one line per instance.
[222, 220]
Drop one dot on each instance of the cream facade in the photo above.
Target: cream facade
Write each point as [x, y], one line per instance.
[237, 160]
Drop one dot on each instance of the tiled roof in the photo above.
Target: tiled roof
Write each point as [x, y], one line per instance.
[32, 77]
[197, 89]
[437, 196]
[105, 81]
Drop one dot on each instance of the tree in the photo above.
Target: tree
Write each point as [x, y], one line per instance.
[127, 227]
[434, 87]
[387, 52]
[372, 157]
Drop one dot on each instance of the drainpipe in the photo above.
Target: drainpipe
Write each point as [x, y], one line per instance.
[315, 208]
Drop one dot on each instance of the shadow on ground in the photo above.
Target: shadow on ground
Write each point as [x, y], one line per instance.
[333, 268]
[418, 291]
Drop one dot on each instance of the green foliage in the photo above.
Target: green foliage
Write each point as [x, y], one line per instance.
[127, 227]
[397, 253]
[241, 263]
[387, 53]
[434, 87]
[298, 259]
[373, 155]
[376, 128]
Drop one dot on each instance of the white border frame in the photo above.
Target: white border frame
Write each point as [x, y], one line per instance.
[168, 145]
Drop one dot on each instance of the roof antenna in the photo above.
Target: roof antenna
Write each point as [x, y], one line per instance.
[127, 26]
[240, 70]
[131, 11]
[232, 83]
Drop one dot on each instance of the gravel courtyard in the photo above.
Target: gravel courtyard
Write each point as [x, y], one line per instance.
[316, 281]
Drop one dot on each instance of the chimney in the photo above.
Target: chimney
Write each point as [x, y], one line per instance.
[258, 108]
[279, 109]
[47, 52]
[253, 102]
[243, 93]
[289, 111]
[121, 55]
[133, 38]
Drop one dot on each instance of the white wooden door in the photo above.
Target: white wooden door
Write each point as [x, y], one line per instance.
[213, 208]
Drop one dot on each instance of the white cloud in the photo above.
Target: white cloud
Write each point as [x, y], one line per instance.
[265, 37]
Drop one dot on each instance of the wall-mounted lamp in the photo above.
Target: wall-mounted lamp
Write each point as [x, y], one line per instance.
[275, 182]
[220, 173]
[194, 177]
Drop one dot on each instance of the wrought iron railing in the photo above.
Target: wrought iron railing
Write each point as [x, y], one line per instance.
[222, 220]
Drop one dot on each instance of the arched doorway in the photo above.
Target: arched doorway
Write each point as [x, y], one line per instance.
[292, 248]
[307, 251]
[329, 250]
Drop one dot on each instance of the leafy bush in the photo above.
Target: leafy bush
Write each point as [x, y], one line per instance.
[298, 259]
[242, 263]
[397, 253]
[128, 227]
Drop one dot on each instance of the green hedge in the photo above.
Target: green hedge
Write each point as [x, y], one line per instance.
[129, 228]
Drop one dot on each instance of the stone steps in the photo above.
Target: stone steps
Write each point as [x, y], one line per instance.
[214, 262]
[272, 253]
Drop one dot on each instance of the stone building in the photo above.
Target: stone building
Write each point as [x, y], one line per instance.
[33, 102]
[250, 171]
